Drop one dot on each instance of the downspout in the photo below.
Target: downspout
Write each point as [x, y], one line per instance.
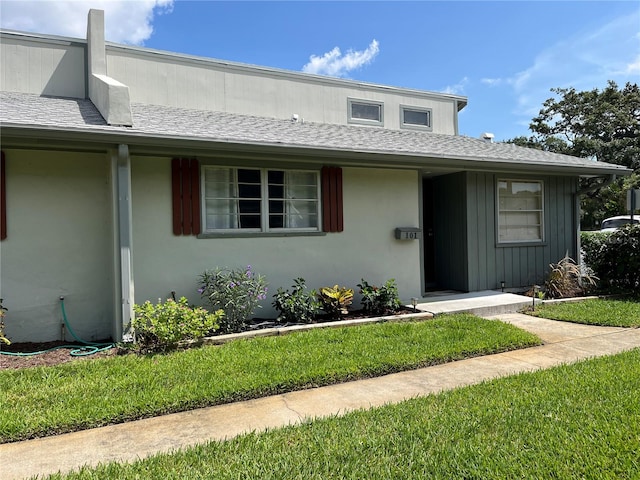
[605, 183]
[123, 241]
[126, 234]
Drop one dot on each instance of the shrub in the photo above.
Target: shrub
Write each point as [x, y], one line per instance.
[299, 305]
[565, 279]
[380, 300]
[164, 325]
[3, 337]
[592, 244]
[237, 292]
[335, 300]
[615, 258]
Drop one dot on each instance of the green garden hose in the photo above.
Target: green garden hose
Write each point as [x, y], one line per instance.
[87, 348]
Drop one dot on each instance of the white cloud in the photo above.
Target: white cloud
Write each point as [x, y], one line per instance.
[634, 67]
[458, 88]
[125, 21]
[334, 64]
[585, 61]
[492, 82]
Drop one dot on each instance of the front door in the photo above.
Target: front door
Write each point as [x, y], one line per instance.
[428, 241]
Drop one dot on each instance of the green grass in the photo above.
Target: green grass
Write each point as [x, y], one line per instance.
[580, 421]
[84, 394]
[613, 313]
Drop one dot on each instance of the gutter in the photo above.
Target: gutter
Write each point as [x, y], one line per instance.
[141, 143]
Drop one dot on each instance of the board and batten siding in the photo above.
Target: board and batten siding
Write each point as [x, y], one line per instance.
[518, 266]
[468, 256]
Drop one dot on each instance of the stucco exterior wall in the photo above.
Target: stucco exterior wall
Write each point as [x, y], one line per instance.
[51, 67]
[59, 242]
[160, 79]
[375, 203]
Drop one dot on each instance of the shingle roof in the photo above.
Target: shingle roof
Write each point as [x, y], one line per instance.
[154, 121]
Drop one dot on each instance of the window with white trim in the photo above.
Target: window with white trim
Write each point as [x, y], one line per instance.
[415, 117]
[260, 200]
[520, 211]
[365, 112]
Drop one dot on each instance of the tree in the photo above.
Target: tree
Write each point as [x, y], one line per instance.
[600, 124]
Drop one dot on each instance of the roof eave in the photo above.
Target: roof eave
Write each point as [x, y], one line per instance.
[145, 144]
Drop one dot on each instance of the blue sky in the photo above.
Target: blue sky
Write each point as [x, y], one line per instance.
[504, 56]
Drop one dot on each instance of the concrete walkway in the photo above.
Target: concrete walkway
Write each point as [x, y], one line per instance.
[484, 303]
[563, 343]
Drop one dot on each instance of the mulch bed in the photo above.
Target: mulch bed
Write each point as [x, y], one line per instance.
[63, 355]
[48, 358]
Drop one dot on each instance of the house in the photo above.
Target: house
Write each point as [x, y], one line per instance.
[126, 172]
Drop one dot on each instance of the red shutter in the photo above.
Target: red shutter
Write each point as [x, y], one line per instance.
[332, 199]
[195, 197]
[3, 199]
[176, 196]
[185, 191]
[185, 172]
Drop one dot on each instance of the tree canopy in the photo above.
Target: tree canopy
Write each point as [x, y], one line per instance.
[600, 124]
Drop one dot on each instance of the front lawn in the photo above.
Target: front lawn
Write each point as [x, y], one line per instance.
[597, 311]
[571, 422]
[84, 394]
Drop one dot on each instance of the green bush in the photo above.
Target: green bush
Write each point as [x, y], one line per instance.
[380, 300]
[3, 337]
[614, 258]
[592, 243]
[299, 305]
[166, 324]
[237, 292]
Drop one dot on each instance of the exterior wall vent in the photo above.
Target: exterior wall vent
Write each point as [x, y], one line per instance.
[487, 137]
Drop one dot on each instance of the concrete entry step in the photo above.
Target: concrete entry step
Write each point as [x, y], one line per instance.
[484, 303]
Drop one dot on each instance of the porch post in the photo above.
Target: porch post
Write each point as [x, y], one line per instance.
[123, 240]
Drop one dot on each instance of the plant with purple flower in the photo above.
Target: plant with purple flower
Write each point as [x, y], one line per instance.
[238, 292]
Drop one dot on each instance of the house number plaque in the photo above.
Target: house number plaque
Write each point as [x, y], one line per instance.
[408, 233]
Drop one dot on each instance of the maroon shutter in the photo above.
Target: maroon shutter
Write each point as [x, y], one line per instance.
[185, 171]
[176, 196]
[332, 220]
[3, 199]
[185, 191]
[195, 197]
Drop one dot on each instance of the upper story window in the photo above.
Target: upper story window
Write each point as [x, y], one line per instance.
[520, 211]
[366, 112]
[415, 117]
[260, 200]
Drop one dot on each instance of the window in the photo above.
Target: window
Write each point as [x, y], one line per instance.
[413, 117]
[365, 112]
[3, 199]
[520, 211]
[262, 200]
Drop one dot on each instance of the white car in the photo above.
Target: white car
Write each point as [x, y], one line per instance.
[613, 223]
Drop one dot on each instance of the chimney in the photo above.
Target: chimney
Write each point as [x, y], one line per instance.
[110, 97]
